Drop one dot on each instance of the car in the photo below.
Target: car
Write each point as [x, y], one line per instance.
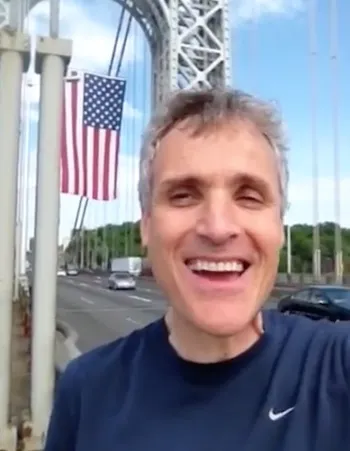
[118, 281]
[61, 272]
[327, 302]
[72, 271]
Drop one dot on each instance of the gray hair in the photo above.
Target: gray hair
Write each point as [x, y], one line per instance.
[207, 108]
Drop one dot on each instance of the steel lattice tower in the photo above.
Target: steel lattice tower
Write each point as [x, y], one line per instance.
[189, 41]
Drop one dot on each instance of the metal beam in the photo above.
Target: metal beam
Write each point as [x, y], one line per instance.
[52, 59]
[14, 60]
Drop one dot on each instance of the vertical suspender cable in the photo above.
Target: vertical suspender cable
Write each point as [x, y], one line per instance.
[119, 65]
[135, 83]
[105, 243]
[333, 16]
[314, 140]
[110, 68]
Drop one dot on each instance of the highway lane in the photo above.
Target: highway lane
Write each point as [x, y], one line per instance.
[100, 315]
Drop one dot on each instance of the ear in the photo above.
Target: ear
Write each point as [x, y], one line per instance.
[144, 229]
[284, 232]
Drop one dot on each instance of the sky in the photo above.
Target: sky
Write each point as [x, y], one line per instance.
[271, 57]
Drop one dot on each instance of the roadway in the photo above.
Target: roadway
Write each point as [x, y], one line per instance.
[100, 315]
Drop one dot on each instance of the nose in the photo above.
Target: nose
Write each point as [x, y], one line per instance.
[219, 220]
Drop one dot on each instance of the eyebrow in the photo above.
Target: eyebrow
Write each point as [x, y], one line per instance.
[186, 180]
[241, 178]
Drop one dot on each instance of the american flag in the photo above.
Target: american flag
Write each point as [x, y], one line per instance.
[92, 116]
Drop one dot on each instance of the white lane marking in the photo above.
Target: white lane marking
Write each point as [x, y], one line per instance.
[103, 289]
[80, 310]
[133, 321]
[84, 299]
[139, 298]
[149, 290]
[100, 287]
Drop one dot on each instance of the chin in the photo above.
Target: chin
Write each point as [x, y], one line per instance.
[222, 320]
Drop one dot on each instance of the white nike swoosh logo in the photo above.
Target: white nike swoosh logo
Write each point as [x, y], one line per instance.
[277, 416]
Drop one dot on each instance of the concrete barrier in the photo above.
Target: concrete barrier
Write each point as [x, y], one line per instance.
[65, 346]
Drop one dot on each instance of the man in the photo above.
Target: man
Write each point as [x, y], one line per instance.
[216, 373]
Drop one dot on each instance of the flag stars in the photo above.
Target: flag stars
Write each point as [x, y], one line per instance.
[103, 100]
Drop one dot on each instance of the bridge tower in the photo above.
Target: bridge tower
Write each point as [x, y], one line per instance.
[189, 40]
[190, 48]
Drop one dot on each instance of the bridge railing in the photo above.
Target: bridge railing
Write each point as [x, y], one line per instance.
[66, 337]
[65, 346]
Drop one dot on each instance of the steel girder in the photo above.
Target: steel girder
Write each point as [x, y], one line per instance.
[189, 40]
[195, 48]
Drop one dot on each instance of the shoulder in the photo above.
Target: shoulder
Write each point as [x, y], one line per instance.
[312, 346]
[304, 331]
[79, 387]
[280, 323]
[104, 365]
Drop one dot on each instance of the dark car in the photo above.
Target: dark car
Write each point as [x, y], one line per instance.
[317, 302]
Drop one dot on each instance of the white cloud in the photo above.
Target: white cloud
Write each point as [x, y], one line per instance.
[244, 10]
[93, 38]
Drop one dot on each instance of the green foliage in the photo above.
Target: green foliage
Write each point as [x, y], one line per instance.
[302, 248]
[103, 243]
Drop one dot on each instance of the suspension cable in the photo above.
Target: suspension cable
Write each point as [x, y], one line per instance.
[134, 146]
[110, 67]
[116, 40]
[124, 46]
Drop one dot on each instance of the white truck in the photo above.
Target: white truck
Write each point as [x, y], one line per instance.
[127, 265]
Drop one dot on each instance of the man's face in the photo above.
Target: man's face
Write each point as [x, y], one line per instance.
[214, 228]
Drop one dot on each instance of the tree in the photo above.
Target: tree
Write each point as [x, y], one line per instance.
[302, 248]
[104, 243]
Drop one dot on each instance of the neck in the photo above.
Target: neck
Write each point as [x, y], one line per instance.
[196, 345]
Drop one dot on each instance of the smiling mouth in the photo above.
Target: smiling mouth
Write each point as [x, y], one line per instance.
[220, 271]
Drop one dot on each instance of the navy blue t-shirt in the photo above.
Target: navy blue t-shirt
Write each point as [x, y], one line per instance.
[289, 392]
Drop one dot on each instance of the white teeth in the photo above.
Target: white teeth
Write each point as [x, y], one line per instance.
[204, 265]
